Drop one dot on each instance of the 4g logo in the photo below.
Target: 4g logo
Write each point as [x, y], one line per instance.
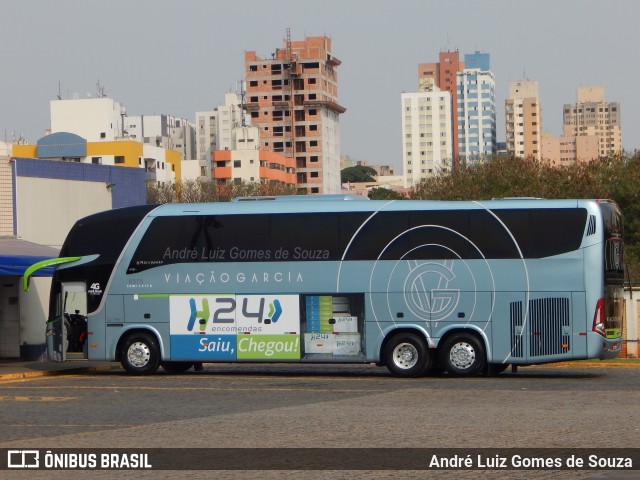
[224, 312]
[95, 289]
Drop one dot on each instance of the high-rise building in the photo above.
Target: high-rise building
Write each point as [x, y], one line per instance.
[93, 131]
[473, 112]
[293, 99]
[213, 128]
[166, 131]
[426, 134]
[523, 120]
[592, 115]
[476, 108]
[242, 160]
[567, 150]
[443, 75]
[94, 119]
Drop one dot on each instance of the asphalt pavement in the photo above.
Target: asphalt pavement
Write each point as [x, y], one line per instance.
[12, 369]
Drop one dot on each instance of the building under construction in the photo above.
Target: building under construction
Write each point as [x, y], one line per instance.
[293, 99]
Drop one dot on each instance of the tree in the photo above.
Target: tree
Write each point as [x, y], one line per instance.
[194, 191]
[381, 193]
[616, 177]
[358, 174]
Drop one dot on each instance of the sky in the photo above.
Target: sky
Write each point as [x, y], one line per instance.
[180, 57]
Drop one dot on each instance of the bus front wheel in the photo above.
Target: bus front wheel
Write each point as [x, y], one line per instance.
[140, 354]
[462, 355]
[406, 355]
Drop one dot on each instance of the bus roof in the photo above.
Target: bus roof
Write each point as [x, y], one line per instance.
[299, 198]
[307, 204]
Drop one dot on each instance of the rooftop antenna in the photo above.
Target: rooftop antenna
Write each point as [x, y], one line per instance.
[100, 90]
[59, 95]
[242, 102]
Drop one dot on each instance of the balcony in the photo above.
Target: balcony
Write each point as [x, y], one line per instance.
[329, 104]
[251, 106]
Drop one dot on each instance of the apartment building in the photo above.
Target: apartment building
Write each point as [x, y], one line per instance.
[166, 131]
[161, 166]
[244, 161]
[523, 119]
[443, 75]
[293, 98]
[476, 108]
[593, 115]
[568, 149]
[94, 119]
[98, 131]
[214, 127]
[426, 134]
[471, 85]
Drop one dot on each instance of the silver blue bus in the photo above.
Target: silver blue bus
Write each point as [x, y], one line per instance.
[417, 286]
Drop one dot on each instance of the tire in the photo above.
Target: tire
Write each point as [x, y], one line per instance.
[406, 355]
[176, 367]
[496, 368]
[140, 354]
[462, 355]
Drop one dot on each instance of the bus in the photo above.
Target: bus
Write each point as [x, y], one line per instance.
[463, 287]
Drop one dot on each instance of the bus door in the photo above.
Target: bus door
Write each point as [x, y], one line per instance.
[67, 333]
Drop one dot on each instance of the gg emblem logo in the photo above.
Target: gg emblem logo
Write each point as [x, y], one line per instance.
[434, 303]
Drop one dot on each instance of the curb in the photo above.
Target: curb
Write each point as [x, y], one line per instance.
[102, 368]
[579, 363]
[50, 373]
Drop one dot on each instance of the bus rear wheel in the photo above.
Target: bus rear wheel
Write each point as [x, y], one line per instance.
[406, 355]
[140, 354]
[462, 355]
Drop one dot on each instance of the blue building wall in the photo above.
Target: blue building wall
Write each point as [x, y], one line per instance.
[128, 185]
[476, 100]
[478, 60]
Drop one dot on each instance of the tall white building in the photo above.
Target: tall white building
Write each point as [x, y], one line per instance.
[164, 131]
[593, 115]
[523, 120]
[214, 129]
[94, 119]
[170, 133]
[476, 115]
[96, 130]
[426, 134]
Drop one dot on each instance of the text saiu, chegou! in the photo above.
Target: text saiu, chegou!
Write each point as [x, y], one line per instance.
[257, 344]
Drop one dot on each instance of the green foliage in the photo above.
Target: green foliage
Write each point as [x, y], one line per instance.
[381, 193]
[192, 191]
[358, 174]
[615, 177]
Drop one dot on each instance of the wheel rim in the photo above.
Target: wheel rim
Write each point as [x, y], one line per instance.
[462, 355]
[405, 356]
[138, 354]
